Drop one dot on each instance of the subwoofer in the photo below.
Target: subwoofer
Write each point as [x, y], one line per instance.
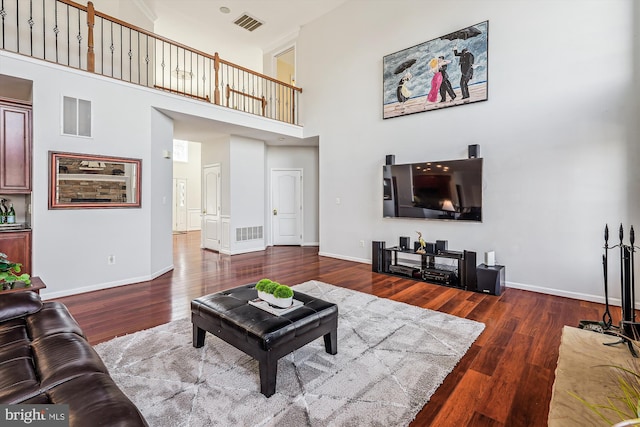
[377, 257]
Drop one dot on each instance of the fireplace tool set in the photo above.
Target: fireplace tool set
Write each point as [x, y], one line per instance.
[628, 329]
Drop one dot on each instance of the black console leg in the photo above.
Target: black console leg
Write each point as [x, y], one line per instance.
[198, 336]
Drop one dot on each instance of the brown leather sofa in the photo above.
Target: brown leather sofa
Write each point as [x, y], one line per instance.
[46, 359]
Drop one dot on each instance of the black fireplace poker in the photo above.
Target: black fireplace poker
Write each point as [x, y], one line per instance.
[629, 328]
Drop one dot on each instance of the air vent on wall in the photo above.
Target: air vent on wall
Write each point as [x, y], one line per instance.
[248, 22]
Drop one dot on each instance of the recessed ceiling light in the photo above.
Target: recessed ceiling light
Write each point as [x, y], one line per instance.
[225, 9]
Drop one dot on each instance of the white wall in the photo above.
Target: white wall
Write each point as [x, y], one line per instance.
[247, 158]
[305, 158]
[557, 133]
[159, 194]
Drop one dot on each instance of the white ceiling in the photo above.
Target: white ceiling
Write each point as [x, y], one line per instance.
[282, 20]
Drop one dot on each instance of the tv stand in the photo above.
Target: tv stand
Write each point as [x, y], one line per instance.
[449, 268]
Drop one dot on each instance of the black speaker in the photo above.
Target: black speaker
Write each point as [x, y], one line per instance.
[431, 248]
[405, 242]
[441, 245]
[416, 246]
[377, 257]
[390, 159]
[490, 279]
[469, 272]
[474, 151]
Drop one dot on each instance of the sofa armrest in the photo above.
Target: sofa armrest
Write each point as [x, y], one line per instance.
[19, 304]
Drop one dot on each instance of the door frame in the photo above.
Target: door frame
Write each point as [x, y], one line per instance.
[301, 195]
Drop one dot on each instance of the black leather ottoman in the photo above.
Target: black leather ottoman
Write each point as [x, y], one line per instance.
[261, 335]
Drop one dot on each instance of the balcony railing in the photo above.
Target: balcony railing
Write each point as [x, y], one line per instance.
[70, 34]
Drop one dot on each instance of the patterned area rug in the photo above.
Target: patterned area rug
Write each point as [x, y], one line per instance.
[391, 358]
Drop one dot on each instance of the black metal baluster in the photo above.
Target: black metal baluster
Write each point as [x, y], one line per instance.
[130, 58]
[138, 59]
[79, 41]
[30, 21]
[121, 49]
[56, 30]
[44, 33]
[146, 59]
[68, 38]
[102, 45]
[17, 28]
[111, 47]
[191, 70]
[3, 13]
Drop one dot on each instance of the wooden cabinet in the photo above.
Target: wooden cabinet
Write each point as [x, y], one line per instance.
[17, 246]
[15, 148]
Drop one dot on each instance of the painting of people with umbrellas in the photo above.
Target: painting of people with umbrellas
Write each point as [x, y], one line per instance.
[447, 71]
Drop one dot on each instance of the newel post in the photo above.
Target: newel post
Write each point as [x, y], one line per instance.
[216, 67]
[91, 55]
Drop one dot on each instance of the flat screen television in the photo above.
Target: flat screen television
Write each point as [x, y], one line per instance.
[446, 190]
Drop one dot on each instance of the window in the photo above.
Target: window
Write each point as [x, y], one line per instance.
[180, 150]
[76, 116]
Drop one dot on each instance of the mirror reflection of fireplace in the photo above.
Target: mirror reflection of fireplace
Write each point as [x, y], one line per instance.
[89, 181]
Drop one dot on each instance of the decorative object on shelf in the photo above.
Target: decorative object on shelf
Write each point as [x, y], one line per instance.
[423, 244]
[10, 273]
[82, 181]
[274, 293]
[447, 71]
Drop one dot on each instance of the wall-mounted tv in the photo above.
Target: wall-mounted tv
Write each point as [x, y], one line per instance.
[447, 190]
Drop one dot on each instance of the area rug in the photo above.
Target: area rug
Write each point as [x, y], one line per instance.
[391, 358]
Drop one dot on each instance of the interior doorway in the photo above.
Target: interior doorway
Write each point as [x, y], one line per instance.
[286, 66]
[286, 206]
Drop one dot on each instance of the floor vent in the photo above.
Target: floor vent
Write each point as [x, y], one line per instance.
[248, 22]
[248, 233]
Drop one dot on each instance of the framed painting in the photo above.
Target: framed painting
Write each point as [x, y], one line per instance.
[447, 71]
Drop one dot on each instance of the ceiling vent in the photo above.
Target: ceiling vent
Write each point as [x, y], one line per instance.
[248, 22]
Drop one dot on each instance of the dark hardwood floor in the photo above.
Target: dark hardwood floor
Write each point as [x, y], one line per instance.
[505, 378]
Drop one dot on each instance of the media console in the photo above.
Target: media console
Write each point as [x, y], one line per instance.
[448, 268]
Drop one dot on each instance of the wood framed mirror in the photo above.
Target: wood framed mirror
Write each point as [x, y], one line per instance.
[85, 181]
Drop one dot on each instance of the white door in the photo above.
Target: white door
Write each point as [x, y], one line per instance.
[286, 206]
[179, 204]
[211, 204]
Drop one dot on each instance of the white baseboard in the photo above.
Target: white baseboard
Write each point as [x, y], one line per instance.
[567, 294]
[354, 259]
[100, 286]
[311, 244]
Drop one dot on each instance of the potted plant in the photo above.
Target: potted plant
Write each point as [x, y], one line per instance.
[10, 273]
[274, 293]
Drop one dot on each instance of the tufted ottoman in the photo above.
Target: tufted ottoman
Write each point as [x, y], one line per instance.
[261, 335]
